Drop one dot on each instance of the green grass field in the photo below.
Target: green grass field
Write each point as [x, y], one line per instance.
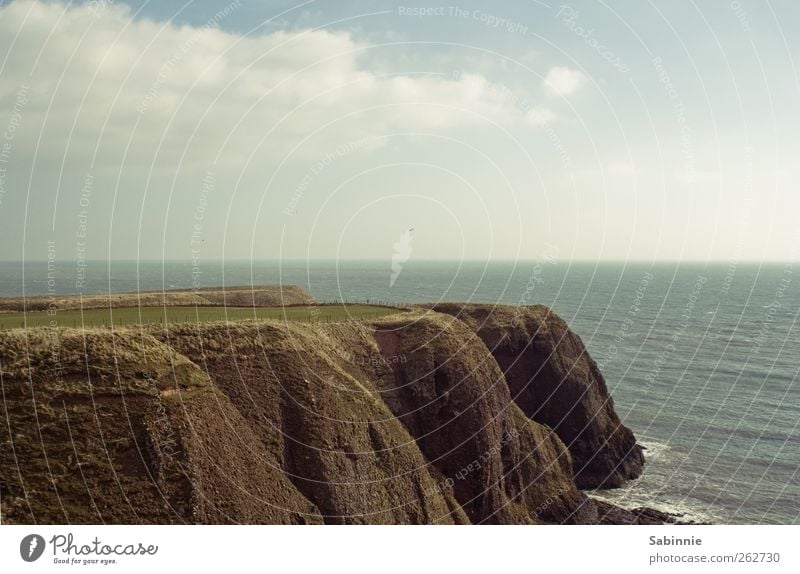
[155, 315]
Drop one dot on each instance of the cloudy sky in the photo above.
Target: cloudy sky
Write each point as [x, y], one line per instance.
[619, 130]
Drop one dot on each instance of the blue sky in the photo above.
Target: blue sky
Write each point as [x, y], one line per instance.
[603, 130]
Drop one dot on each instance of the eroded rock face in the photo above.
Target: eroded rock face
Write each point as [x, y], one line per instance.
[446, 388]
[122, 429]
[303, 393]
[409, 419]
[555, 382]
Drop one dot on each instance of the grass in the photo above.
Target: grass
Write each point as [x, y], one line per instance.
[190, 314]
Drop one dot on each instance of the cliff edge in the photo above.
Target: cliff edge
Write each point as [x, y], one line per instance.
[236, 296]
[411, 418]
[555, 382]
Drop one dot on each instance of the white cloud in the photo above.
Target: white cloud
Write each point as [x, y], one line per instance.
[564, 81]
[207, 92]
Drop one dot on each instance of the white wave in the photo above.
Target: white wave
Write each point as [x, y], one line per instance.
[685, 510]
[654, 450]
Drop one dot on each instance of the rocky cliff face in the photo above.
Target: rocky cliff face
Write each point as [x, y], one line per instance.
[304, 396]
[555, 382]
[449, 393]
[409, 419]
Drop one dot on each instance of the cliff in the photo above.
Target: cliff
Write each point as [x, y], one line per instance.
[555, 382]
[407, 419]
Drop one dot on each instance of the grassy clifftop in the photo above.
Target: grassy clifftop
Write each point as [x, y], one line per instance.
[246, 296]
[407, 419]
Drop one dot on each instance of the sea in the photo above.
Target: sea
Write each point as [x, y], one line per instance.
[702, 360]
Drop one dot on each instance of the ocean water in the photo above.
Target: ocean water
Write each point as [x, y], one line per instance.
[702, 360]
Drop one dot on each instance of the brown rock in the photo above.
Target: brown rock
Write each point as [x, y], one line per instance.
[330, 433]
[610, 514]
[86, 438]
[555, 382]
[409, 419]
[446, 388]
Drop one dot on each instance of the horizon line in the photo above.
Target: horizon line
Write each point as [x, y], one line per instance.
[388, 260]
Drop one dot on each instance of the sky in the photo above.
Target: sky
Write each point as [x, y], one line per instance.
[626, 130]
